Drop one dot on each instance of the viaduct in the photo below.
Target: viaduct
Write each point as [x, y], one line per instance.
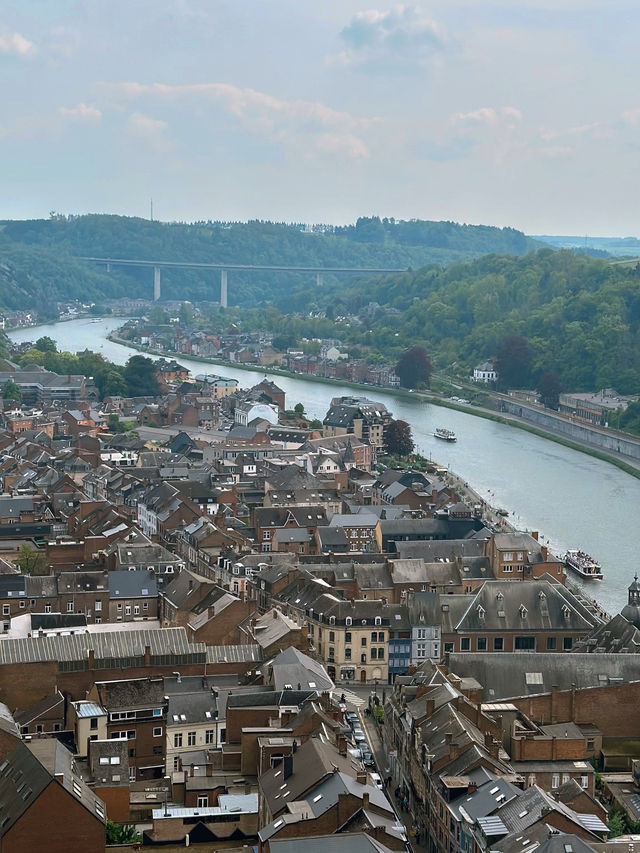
[224, 268]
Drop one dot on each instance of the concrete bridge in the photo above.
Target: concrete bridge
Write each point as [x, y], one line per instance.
[224, 268]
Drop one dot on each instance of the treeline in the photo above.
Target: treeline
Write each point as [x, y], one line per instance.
[38, 252]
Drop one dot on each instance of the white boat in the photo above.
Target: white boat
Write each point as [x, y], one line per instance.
[583, 565]
[445, 434]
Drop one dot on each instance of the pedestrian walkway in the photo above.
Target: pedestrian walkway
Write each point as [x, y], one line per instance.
[350, 699]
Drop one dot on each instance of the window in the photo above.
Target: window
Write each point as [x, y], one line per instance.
[555, 780]
[191, 738]
[40, 728]
[136, 609]
[97, 605]
[465, 644]
[119, 606]
[567, 643]
[348, 620]
[203, 801]
[347, 654]
[157, 712]
[551, 644]
[332, 653]
[177, 740]
[381, 636]
[363, 642]
[132, 753]
[69, 606]
[157, 731]
[94, 723]
[363, 658]
[22, 604]
[47, 608]
[380, 654]
[374, 636]
[507, 557]
[5, 609]
[507, 569]
[498, 644]
[374, 654]
[584, 781]
[565, 778]
[157, 750]
[448, 647]
[525, 644]
[127, 610]
[481, 644]
[332, 636]
[176, 762]
[132, 774]
[347, 636]
[378, 620]
[210, 736]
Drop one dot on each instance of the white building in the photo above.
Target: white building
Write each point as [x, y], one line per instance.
[485, 372]
[250, 411]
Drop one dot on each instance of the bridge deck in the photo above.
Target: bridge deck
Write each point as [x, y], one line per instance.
[135, 262]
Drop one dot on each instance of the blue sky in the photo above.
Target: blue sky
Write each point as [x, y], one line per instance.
[506, 113]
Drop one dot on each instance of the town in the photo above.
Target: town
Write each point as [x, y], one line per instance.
[224, 623]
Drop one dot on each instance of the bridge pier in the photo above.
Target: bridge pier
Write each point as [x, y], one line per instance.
[156, 284]
[223, 288]
[319, 279]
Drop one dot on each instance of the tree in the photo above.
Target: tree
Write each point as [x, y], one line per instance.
[31, 561]
[414, 368]
[186, 314]
[121, 833]
[46, 344]
[549, 387]
[398, 438]
[315, 424]
[513, 362]
[299, 409]
[140, 376]
[11, 391]
[616, 824]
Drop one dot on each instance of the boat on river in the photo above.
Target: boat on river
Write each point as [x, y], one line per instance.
[583, 565]
[445, 434]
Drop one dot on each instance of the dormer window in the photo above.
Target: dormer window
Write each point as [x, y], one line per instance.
[332, 620]
[481, 611]
[500, 597]
[541, 595]
[378, 620]
[523, 611]
[565, 611]
[348, 620]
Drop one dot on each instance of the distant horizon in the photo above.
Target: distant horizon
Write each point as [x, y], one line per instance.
[313, 223]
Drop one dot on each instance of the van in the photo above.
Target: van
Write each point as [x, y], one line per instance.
[376, 779]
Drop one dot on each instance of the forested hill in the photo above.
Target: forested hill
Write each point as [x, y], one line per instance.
[579, 316]
[34, 253]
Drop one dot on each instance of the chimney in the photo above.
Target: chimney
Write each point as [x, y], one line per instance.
[275, 613]
[534, 534]
[365, 800]
[378, 832]
[361, 777]
[342, 745]
[147, 655]
[91, 662]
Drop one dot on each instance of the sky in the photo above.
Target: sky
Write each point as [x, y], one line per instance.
[522, 113]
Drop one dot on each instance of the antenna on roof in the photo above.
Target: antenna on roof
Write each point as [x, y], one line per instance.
[151, 209]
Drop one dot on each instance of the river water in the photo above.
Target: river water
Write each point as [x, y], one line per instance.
[572, 499]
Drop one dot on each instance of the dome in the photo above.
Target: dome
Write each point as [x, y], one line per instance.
[631, 613]
[634, 586]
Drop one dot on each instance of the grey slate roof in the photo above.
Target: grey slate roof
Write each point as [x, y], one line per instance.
[524, 674]
[295, 668]
[136, 584]
[358, 842]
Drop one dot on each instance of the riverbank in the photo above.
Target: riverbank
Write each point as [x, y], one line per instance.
[428, 397]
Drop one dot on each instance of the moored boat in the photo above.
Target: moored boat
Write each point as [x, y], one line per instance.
[583, 565]
[445, 434]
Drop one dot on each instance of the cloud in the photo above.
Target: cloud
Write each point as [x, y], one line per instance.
[487, 115]
[82, 111]
[153, 131]
[400, 38]
[277, 119]
[13, 44]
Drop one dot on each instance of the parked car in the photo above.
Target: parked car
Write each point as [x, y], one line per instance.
[358, 735]
[366, 756]
[352, 718]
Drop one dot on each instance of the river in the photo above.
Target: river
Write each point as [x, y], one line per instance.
[572, 499]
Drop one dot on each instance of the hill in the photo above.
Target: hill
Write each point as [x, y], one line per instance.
[579, 316]
[39, 250]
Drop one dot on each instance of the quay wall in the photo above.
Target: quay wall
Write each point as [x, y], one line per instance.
[607, 440]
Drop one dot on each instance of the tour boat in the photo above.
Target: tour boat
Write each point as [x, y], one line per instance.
[445, 434]
[583, 564]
